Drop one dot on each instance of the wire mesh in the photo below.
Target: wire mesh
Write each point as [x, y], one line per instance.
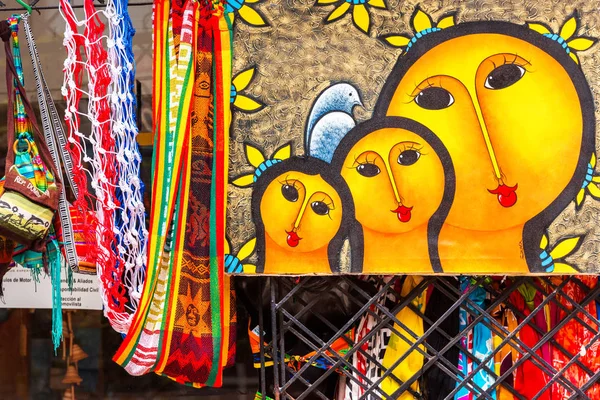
[391, 337]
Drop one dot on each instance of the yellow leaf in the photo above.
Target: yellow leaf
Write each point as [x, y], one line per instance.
[361, 17]
[593, 160]
[581, 44]
[594, 191]
[251, 16]
[247, 249]
[562, 268]
[377, 4]
[325, 2]
[249, 268]
[397, 40]
[244, 181]
[574, 57]
[247, 104]
[596, 179]
[544, 242]
[254, 156]
[446, 22]
[565, 247]
[539, 28]
[243, 79]
[338, 12]
[569, 28]
[227, 246]
[252, 1]
[232, 18]
[421, 21]
[579, 198]
[283, 153]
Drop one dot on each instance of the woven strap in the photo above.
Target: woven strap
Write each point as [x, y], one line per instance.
[57, 142]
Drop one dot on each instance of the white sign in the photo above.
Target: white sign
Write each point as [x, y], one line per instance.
[22, 291]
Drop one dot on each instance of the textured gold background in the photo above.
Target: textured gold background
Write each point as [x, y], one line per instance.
[299, 55]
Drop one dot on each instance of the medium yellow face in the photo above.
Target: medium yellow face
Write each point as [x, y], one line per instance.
[509, 115]
[301, 212]
[396, 180]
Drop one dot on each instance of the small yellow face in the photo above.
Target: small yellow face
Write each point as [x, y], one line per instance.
[509, 115]
[301, 212]
[396, 180]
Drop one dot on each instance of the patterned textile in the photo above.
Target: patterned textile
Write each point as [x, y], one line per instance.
[573, 336]
[184, 327]
[375, 347]
[477, 341]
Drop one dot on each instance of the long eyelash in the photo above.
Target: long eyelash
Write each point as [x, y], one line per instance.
[515, 61]
[429, 84]
[289, 182]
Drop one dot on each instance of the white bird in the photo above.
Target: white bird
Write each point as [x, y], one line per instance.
[330, 119]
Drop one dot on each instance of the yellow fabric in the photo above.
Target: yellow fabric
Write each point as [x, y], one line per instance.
[397, 346]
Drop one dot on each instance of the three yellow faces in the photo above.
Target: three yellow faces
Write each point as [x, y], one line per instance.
[480, 138]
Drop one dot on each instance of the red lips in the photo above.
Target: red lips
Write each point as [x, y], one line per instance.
[507, 196]
[293, 239]
[403, 213]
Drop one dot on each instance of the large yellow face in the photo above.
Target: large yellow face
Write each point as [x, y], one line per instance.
[301, 212]
[509, 115]
[396, 180]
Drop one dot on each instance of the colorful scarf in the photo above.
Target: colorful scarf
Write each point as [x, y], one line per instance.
[183, 326]
[478, 341]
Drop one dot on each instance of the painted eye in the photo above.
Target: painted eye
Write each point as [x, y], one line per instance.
[368, 170]
[290, 193]
[434, 98]
[504, 76]
[319, 208]
[408, 157]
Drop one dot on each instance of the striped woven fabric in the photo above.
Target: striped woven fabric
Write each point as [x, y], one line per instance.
[183, 326]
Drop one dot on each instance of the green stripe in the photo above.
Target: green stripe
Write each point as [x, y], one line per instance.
[162, 201]
[214, 265]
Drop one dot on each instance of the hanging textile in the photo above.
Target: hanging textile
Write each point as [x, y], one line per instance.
[98, 149]
[478, 341]
[573, 337]
[398, 346]
[374, 347]
[184, 325]
[31, 160]
[529, 379]
[130, 217]
[56, 141]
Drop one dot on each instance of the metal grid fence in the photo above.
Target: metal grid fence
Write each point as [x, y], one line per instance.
[329, 334]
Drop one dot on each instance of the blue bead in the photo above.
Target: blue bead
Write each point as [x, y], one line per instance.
[588, 178]
[413, 40]
[568, 50]
[268, 163]
[428, 30]
[550, 268]
[555, 37]
[560, 40]
[418, 35]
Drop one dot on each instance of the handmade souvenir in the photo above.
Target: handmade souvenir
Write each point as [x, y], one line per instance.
[422, 138]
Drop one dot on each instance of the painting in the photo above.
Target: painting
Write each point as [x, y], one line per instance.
[388, 137]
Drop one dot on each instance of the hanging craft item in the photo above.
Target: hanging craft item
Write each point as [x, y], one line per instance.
[441, 171]
[31, 188]
[130, 216]
[98, 152]
[56, 140]
[186, 314]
